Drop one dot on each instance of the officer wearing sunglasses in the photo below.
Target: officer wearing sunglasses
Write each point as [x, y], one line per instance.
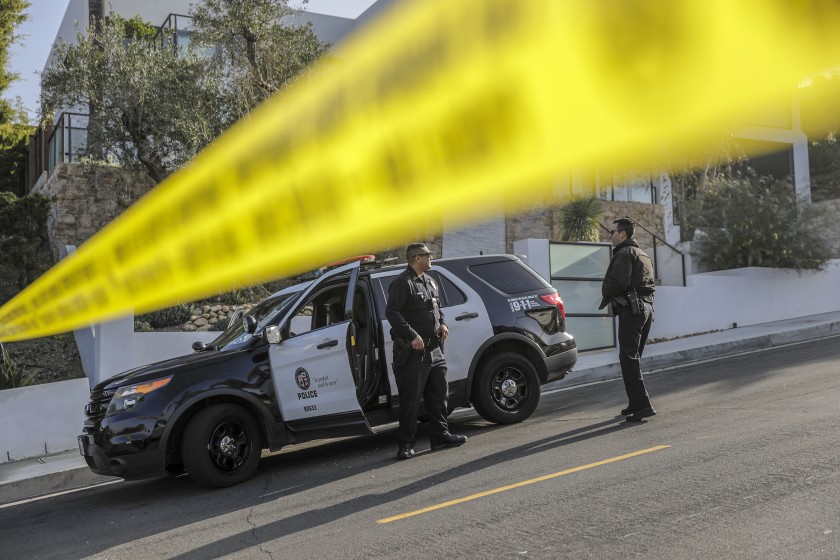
[419, 330]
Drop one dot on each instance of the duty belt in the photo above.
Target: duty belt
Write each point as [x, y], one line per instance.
[431, 343]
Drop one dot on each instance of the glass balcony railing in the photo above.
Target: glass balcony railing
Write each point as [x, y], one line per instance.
[68, 141]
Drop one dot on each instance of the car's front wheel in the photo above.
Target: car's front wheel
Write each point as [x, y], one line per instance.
[221, 446]
[507, 389]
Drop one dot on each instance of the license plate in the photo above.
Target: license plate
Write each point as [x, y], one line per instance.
[82, 441]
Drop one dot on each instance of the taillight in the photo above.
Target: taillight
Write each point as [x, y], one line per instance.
[554, 299]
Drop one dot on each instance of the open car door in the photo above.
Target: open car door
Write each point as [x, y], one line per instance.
[311, 367]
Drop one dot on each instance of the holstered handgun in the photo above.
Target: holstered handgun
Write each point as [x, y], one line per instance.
[402, 352]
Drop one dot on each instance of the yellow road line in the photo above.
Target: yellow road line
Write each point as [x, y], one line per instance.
[520, 484]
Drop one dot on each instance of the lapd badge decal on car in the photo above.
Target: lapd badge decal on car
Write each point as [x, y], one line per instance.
[302, 378]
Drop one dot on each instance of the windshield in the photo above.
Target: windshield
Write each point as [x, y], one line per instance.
[235, 336]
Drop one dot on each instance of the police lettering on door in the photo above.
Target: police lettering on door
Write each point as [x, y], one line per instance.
[303, 381]
[522, 303]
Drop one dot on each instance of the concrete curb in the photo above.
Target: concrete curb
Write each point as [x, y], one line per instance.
[57, 474]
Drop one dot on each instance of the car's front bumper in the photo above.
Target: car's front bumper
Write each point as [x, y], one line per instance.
[137, 463]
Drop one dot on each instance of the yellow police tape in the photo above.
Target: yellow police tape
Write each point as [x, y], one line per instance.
[439, 106]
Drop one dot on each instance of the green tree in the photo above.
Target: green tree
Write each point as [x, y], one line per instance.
[14, 146]
[11, 16]
[748, 220]
[14, 130]
[257, 50]
[154, 108]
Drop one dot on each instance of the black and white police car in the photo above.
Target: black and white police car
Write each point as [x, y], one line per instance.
[313, 361]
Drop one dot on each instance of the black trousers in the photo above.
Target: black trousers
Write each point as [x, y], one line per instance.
[424, 374]
[632, 335]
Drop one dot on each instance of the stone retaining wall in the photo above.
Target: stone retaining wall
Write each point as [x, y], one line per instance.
[546, 222]
[86, 198]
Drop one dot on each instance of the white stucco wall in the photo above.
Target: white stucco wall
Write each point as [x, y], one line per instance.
[41, 419]
[746, 296]
[151, 347]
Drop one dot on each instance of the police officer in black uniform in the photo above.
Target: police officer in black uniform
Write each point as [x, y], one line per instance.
[628, 287]
[419, 331]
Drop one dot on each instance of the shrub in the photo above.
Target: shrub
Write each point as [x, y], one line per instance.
[580, 219]
[24, 242]
[220, 325]
[758, 221]
[142, 326]
[10, 376]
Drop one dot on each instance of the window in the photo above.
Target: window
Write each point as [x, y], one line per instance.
[449, 293]
[322, 309]
[509, 277]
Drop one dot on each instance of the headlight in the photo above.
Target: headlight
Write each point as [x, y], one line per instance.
[127, 398]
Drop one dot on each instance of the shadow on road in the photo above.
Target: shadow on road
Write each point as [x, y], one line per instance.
[355, 505]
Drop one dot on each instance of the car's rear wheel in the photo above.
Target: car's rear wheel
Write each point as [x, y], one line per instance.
[221, 446]
[506, 389]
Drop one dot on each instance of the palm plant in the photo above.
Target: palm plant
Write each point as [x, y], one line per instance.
[579, 219]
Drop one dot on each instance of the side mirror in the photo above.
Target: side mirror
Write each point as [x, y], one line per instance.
[249, 324]
[272, 334]
[199, 346]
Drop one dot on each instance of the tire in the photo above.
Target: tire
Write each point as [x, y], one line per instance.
[221, 446]
[506, 389]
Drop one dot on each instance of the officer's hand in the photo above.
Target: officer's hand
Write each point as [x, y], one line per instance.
[417, 343]
[443, 332]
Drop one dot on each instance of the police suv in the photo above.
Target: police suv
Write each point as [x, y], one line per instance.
[314, 361]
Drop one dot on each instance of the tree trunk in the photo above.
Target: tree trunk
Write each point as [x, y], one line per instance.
[96, 15]
[96, 19]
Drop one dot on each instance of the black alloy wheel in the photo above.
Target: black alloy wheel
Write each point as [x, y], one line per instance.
[507, 389]
[221, 446]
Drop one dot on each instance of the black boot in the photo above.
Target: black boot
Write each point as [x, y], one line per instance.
[447, 440]
[406, 451]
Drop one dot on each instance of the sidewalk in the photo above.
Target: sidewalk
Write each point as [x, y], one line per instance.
[58, 472]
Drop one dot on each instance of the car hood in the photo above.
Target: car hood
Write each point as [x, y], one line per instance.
[181, 364]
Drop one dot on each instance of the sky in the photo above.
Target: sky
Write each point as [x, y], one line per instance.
[29, 53]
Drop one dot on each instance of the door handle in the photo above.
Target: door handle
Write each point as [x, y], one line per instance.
[327, 344]
[466, 316]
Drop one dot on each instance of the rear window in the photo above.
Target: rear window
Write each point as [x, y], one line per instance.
[509, 277]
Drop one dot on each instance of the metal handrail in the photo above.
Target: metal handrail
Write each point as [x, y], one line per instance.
[655, 238]
[169, 29]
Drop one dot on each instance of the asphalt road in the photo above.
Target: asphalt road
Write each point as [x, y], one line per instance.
[750, 471]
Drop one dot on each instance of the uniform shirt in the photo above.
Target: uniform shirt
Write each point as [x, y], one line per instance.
[630, 268]
[413, 306]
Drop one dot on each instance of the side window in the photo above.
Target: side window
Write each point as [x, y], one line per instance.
[322, 309]
[381, 286]
[301, 321]
[450, 294]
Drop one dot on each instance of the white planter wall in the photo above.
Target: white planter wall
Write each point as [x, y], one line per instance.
[41, 419]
